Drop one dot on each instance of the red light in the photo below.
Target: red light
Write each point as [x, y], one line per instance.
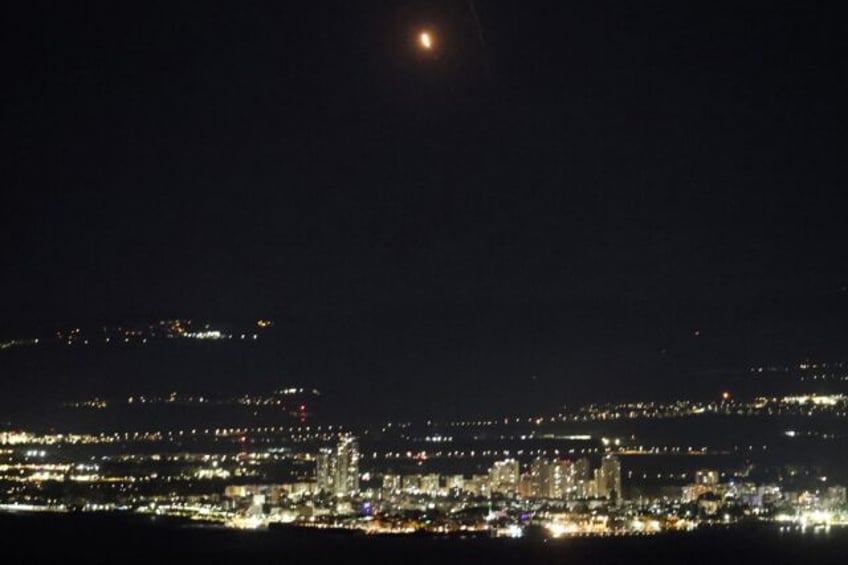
[302, 407]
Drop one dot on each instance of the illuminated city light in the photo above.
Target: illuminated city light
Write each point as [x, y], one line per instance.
[527, 474]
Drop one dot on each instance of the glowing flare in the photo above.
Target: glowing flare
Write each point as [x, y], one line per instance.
[425, 40]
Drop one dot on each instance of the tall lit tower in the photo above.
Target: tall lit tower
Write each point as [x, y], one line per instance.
[337, 470]
[347, 467]
[503, 476]
[609, 478]
[325, 470]
[542, 478]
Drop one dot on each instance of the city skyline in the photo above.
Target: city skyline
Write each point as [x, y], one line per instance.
[502, 477]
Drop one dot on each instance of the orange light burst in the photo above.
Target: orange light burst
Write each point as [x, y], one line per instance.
[426, 40]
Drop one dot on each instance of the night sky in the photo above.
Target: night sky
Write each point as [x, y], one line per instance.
[622, 194]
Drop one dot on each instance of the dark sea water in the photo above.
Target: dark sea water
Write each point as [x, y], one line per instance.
[121, 539]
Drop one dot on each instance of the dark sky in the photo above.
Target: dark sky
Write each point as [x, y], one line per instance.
[575, 198]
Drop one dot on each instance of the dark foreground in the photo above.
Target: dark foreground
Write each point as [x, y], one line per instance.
[112, 539]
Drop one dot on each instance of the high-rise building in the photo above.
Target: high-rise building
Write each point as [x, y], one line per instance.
[503, 477]
[525, 486]
[337, 471]
[581, 469]
[600, 486]
[563, 479]
[391, 484]
[543, 478]
[325, 471]
[455, 482]
[478, 485]
[583, 485]
[347, 470]
[608, 478]
[429, 484]
[411, 484]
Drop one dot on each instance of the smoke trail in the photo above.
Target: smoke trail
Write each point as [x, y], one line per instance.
[477, 26]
